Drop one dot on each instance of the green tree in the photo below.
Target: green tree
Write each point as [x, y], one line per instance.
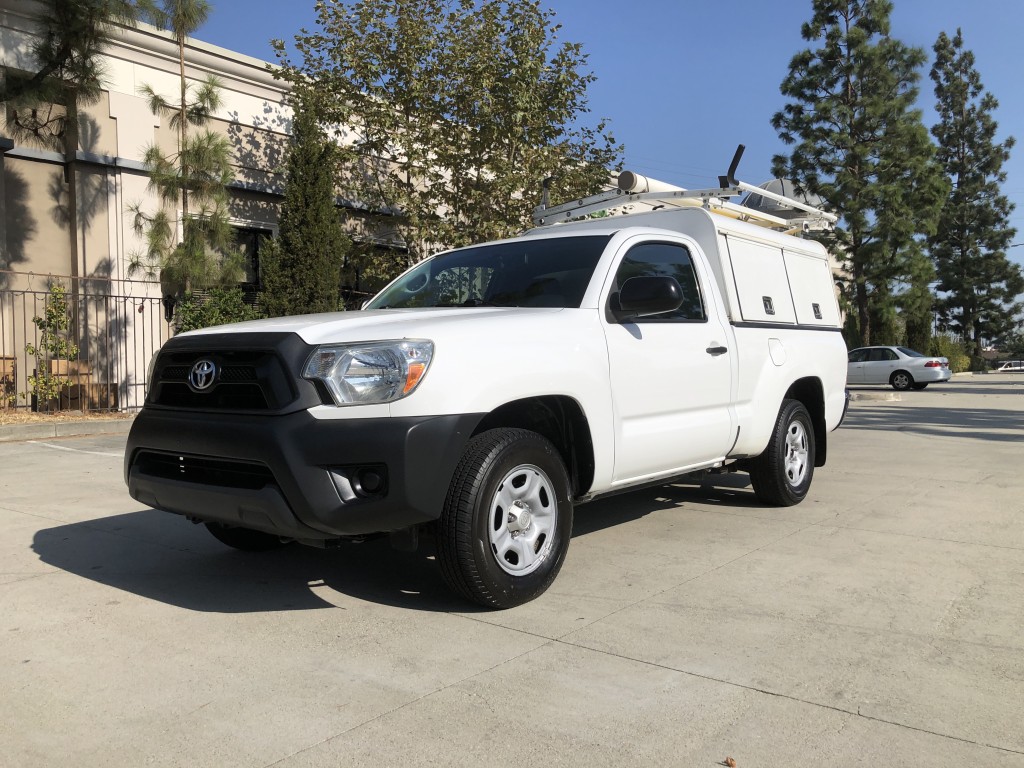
[54, 350]
[980, 283]
[301, 269]
[195, 177]
[860, 145]
[455, 110]
[917, 301]
[70, 36]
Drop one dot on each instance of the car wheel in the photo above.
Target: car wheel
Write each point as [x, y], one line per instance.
[917, 385]
[901, 381]
[245, 539]
[507, 519]
[781, 476]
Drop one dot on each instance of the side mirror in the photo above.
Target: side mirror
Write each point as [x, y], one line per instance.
[644, 296]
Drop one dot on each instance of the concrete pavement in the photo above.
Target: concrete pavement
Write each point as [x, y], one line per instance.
[877, 623]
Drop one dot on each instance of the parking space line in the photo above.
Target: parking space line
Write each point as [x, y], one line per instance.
[74, 450]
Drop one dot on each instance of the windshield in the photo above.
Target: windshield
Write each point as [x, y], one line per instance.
[548, 272]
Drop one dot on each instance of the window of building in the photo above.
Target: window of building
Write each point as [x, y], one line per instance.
[249, 239]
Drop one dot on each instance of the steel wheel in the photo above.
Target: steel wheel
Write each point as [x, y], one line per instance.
[524, 516]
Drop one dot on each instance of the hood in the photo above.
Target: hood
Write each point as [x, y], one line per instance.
[377, 324]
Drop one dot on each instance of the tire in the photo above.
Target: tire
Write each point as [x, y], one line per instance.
[918, 385]
[782, 475]
[507, 519]
[244, 539]
[901, 381]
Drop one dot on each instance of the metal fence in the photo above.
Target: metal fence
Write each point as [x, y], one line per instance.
[84, 346]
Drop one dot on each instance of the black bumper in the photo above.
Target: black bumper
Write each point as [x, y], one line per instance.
[293, 475]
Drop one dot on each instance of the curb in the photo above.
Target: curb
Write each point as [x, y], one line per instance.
[13, 433]
[878, 396]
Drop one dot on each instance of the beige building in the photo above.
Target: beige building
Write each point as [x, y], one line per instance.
[69, 177]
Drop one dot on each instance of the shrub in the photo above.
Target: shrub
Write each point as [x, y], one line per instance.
[216, 306]
[948, 347]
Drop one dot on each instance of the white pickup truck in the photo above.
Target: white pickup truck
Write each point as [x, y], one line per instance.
[489, 390]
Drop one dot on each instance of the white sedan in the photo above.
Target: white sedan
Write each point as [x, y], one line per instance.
[901, 367]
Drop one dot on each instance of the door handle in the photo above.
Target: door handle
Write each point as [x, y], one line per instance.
[715, 351]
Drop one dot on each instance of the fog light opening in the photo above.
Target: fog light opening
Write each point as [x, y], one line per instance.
[369, 481]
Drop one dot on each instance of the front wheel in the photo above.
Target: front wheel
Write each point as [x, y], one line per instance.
[781, 476]
[507, 519]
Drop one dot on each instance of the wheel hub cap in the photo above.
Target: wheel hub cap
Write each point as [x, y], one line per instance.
[796, 454]
[519, 518]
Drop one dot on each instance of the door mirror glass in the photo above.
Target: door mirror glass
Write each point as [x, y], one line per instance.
[644, 296]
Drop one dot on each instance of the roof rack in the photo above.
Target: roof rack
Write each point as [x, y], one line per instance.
[635, 189]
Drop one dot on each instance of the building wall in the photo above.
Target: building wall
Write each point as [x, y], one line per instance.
[65, 205]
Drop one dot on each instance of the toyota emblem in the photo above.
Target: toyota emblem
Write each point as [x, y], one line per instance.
[202, 375]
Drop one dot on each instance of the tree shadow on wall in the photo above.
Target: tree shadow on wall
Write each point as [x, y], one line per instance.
[260, 149]
[103, 321]
[20, 223]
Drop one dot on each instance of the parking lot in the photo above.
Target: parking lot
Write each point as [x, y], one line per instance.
[878, 623]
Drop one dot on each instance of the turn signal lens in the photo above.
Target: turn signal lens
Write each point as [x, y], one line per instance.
[413, 376]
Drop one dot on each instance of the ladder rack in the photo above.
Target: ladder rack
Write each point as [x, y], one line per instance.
[633, 189]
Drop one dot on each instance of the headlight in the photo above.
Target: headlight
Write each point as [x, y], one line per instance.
[375, 372]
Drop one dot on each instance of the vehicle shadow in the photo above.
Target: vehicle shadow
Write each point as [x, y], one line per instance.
[727, 490]
[159, 556]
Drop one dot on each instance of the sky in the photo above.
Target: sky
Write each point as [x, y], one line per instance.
[683, 82]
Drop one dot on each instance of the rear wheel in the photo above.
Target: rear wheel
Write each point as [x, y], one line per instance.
[245, 539]
[781, 476]
[918, 385]
[901, 381]
[507, 519]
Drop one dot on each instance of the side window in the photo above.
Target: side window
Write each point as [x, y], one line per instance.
[660, 260]
[858, 355]
[881, 355]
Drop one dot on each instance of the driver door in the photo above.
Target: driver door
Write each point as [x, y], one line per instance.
[672, 373]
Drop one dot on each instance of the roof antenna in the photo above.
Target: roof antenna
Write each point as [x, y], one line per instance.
[730, 179]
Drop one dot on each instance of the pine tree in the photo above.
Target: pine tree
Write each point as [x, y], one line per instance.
[70, 36]
[969, 248]
[860, 145]
[302, 267]
[194, 178]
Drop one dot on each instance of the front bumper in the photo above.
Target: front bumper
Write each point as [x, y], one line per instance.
[293, 475]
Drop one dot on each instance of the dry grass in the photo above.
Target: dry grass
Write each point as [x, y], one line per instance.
[25, 416]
